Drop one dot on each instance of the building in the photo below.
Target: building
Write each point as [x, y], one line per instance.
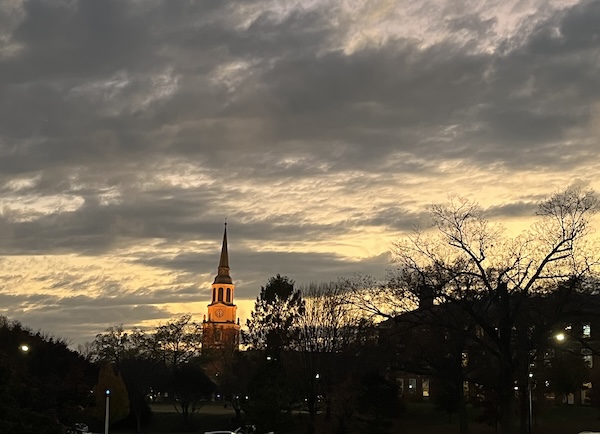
[222, 327]
[440, 349]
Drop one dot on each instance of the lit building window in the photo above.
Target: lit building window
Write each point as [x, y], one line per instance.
[587, 330]
[412, 386]
[425, 386]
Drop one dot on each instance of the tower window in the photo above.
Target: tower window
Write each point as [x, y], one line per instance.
[214, 295]
[228, 295]
[220, 294]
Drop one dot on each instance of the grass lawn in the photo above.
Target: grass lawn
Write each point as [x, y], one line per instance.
[551, 419]
[419, 418]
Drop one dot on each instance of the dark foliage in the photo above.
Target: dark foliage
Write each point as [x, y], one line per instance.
[192, 388]
[269, 398]
[43, 384]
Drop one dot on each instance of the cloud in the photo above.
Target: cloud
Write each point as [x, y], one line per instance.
[322, 130]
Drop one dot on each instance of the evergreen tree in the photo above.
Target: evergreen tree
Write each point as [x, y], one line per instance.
[275, 315]
[271, 329]
[112, 381]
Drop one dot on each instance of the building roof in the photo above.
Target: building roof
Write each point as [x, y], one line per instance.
[223, 272]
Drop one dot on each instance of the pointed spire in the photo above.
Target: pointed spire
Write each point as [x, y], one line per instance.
[223, 273]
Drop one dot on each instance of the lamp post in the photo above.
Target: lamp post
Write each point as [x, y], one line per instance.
[106, 415]
[530, 399]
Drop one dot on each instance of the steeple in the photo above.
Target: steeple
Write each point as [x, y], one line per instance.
[223, 273]
[220, 329]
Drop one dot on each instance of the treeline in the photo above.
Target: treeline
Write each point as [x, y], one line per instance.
[163, 363]
[305, 350]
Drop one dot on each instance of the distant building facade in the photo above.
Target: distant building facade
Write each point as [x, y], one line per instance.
[428, 356]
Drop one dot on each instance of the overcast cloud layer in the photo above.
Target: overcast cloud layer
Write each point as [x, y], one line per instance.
[129, 130]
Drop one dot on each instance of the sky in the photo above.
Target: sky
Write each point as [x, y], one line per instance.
[320, 129]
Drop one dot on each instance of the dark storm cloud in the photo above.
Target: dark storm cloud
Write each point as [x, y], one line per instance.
[399, 219]
[102, 101]
[305, 267]
[352, 111]
[250, 268]
[296, 95]
[84, 321]
[81, 316]
[398, 97]
[513, 210]
[70, 40]
[542, 89]
[160, 213]
[70, 91]
[243, 261]
[94, 227]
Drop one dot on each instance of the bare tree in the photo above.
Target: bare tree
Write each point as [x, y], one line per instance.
[114, 345]
[150, 359]
[177, 341]
[470, 263]
[328, 326]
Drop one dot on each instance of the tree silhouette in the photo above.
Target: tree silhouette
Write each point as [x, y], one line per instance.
[275, 315]
[42, 382]
[192, 389]
[109, 379]
[469, 264]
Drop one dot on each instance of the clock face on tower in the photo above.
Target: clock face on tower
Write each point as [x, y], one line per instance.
[219, 313]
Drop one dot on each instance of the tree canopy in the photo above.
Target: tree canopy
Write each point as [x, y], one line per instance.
[275, 315]
[43, 384]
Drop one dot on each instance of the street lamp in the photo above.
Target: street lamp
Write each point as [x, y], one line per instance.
[106, 415]
[558, 337]
[530, 399]
[24, 348]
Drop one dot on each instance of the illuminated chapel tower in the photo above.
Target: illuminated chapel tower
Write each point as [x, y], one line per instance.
[222, 328]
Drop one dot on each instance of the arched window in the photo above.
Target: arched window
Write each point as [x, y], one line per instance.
[214, 294]
[220, 294]
[228, 295]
